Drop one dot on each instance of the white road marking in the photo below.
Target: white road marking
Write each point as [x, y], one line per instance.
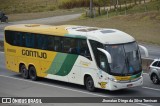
[1, 52]
[144, 104]
[66, 88]
[151, 88]
[147, 58]
[146, 73]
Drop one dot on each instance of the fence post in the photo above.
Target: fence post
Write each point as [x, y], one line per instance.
[158, 8]
[145, 8]
[107, 13]
[94, 13]
[125, 11]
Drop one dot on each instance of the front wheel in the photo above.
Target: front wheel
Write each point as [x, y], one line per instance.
[155, 79]
[89, 83]
[32, 73]
[24, 72]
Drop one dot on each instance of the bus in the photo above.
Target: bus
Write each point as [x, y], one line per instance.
[94, 57]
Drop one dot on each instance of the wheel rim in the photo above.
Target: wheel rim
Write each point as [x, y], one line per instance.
[32, 73]
[90, 84]
[24, 72]
[154, 78]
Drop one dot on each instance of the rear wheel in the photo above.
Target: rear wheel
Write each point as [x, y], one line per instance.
[32, 73]
[155, 79]
[89, 83]
[24, 72]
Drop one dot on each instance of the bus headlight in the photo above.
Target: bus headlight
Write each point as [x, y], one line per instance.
[112, 79]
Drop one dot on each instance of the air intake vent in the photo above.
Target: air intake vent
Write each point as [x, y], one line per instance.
[87, 29]
[32, 25]
[107, 31]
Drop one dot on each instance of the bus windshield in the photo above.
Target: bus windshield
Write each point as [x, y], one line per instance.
[125, 59]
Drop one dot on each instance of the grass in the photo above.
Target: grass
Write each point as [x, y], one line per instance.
[143, 24]
[27, 6]
[132, 8]
[149, 6]
[144, 27]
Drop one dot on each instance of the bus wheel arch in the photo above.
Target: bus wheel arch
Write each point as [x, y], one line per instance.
[89, 83]
[32, 72]
[23, 70]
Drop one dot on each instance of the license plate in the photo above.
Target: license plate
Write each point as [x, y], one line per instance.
[129, 85]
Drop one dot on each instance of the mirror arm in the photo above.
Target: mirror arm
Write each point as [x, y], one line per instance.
[145, 50]
[109, 58]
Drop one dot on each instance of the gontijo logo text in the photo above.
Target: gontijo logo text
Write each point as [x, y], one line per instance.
[34, 53]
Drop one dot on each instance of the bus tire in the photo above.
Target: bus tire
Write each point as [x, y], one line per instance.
[32, 73]
[89, 83]
[24, 72]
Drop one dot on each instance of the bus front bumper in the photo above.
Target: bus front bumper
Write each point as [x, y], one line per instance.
[122, 85]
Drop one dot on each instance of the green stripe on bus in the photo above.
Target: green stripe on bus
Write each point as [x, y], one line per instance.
[62, 64]
[57, 63]
[67, 65]
[135, 76]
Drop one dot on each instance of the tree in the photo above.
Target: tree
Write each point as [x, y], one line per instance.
[135, 2]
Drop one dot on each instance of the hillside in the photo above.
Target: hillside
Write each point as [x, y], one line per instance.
[27, 6]
[143, 25]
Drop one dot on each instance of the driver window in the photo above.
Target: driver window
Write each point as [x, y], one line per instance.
[102, 61]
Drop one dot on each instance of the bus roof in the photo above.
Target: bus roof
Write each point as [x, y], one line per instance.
[103, 35]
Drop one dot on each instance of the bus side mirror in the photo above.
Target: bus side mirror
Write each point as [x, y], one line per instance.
[108, 55]
[145, 50]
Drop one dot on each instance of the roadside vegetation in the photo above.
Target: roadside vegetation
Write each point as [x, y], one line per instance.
[143, 24]
[30, 6]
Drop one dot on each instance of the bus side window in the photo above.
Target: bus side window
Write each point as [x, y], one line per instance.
[66, 45]
[22, 39]
[69, 45]
[9, 37]
[29, 40]
[100, 58]
[40, 42]
[44, 42]
[50, 43]
[57, 44]
[102, 61]
[16, 41]
[73, 46]
[84, 50]
[19, 39]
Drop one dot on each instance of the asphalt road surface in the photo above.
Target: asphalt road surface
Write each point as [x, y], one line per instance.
[12, 85]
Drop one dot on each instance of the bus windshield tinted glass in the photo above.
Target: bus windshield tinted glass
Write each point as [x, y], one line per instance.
[125, 59]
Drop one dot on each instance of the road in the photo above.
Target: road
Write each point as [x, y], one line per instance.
[12, 85]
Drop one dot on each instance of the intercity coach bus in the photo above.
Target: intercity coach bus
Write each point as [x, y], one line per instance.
[94, 57]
